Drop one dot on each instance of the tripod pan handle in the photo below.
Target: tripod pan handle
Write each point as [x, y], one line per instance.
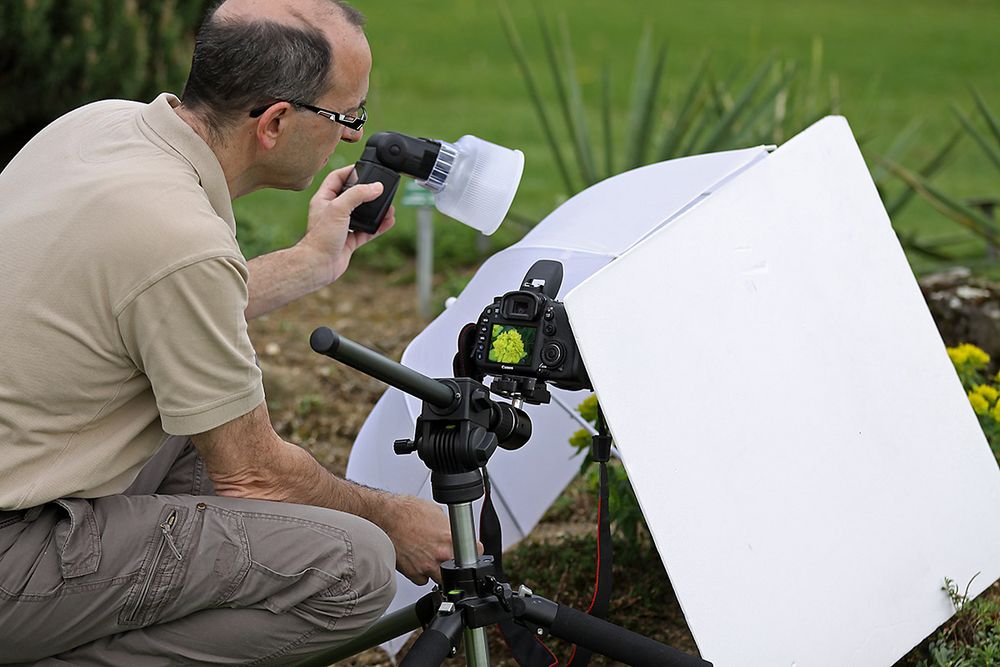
[327, 341]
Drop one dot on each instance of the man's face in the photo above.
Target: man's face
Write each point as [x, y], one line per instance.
[311, 138]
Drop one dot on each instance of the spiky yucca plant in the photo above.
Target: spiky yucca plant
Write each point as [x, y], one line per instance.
[974, 216]
[709, 114]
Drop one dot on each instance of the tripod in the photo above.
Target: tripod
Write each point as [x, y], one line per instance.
[459, 429]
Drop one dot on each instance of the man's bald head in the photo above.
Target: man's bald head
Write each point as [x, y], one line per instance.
[249, 52]
[289, 11]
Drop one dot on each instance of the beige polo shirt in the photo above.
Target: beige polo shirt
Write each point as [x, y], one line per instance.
[122, 292]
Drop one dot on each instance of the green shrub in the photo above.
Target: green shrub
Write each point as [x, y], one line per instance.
[972, 637]
[56, 55]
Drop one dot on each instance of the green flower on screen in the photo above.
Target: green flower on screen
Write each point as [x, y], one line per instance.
[508, 348]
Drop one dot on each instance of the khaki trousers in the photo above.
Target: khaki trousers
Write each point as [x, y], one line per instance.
[170, 574]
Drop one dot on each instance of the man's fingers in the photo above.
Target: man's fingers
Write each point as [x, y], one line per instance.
[419, 579]
[334, 182]
[359, 194]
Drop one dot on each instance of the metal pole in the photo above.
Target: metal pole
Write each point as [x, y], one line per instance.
[425, 258]
[388, 627]
[463, 537]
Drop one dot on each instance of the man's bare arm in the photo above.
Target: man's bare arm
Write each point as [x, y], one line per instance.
[322, 255]
[245, 458]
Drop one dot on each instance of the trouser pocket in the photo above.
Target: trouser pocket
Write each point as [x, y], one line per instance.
[78, 539]
[160, 575]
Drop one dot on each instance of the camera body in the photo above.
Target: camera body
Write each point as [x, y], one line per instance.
[526, 333]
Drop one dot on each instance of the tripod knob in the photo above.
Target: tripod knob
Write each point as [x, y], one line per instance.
[404, 446]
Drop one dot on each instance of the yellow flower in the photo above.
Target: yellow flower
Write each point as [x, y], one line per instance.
[989, 392]
[588, 409]
[995, 412]
[508, 347]
[979, 404]
[966, 353]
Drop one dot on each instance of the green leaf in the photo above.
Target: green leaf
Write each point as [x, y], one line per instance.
[969, 218]
[645, 88]
[723, 128]
[752, 115]
[927, 249]
[577, 112]
[900, 144]
[520, 55]
[991, 120]
[690, 107]
[607, 119]
[992, 153]
[929, 169]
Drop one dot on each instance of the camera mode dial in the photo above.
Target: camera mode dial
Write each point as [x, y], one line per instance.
[553, 354]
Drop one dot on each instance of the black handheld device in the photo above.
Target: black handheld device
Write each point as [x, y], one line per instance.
[386, 156]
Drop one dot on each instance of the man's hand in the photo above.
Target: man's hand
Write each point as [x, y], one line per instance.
[322, 255]
[330, 216]
[421, 533]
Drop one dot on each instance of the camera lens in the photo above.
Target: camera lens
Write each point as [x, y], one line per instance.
[552, 354]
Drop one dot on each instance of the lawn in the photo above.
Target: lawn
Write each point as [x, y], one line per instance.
[445, 69]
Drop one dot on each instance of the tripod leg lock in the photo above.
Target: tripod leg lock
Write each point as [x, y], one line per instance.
[480, 613]
[600, 448]
[473, 580]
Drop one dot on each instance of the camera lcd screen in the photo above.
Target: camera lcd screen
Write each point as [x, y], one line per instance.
[512, 344]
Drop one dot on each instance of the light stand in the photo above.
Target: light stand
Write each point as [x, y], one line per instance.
[458, 430]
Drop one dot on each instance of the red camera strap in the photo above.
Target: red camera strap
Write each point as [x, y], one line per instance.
[526, 648]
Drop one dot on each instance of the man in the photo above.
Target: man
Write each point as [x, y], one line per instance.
[123, 308]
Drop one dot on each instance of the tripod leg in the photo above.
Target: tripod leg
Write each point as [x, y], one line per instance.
[602, 637]
[388, 627]
[434, 645]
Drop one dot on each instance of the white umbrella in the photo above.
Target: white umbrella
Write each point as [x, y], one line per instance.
[584, 234]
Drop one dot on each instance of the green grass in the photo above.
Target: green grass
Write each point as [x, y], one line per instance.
[445, 69]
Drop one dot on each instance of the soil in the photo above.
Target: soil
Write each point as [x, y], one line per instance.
[313, 400]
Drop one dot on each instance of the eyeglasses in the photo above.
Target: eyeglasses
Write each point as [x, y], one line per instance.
[355, 122]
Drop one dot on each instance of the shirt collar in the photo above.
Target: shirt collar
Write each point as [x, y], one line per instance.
[160, 117]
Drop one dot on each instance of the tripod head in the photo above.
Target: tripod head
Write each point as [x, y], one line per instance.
[459, 427]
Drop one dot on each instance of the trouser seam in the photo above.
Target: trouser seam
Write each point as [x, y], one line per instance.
[284, 650]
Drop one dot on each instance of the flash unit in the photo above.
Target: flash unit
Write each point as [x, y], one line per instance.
[473, 181]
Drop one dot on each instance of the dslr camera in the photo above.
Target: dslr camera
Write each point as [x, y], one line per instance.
[525, 334]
